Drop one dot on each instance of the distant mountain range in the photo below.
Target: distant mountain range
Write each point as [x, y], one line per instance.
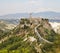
[47, 14]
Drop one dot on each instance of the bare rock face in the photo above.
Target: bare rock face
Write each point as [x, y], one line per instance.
[55, 26]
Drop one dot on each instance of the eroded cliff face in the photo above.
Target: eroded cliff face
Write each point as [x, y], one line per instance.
[55, 26]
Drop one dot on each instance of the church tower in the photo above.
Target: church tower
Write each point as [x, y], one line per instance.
[30, 15]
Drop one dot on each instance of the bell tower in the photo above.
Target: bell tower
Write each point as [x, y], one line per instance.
[30, 15]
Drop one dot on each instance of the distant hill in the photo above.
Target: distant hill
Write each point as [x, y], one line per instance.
[47, 14]
[14, 16]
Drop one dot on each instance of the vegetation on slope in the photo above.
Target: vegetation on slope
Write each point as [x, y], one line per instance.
[20, 41]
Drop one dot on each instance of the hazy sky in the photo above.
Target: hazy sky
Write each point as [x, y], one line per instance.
[18, 6]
